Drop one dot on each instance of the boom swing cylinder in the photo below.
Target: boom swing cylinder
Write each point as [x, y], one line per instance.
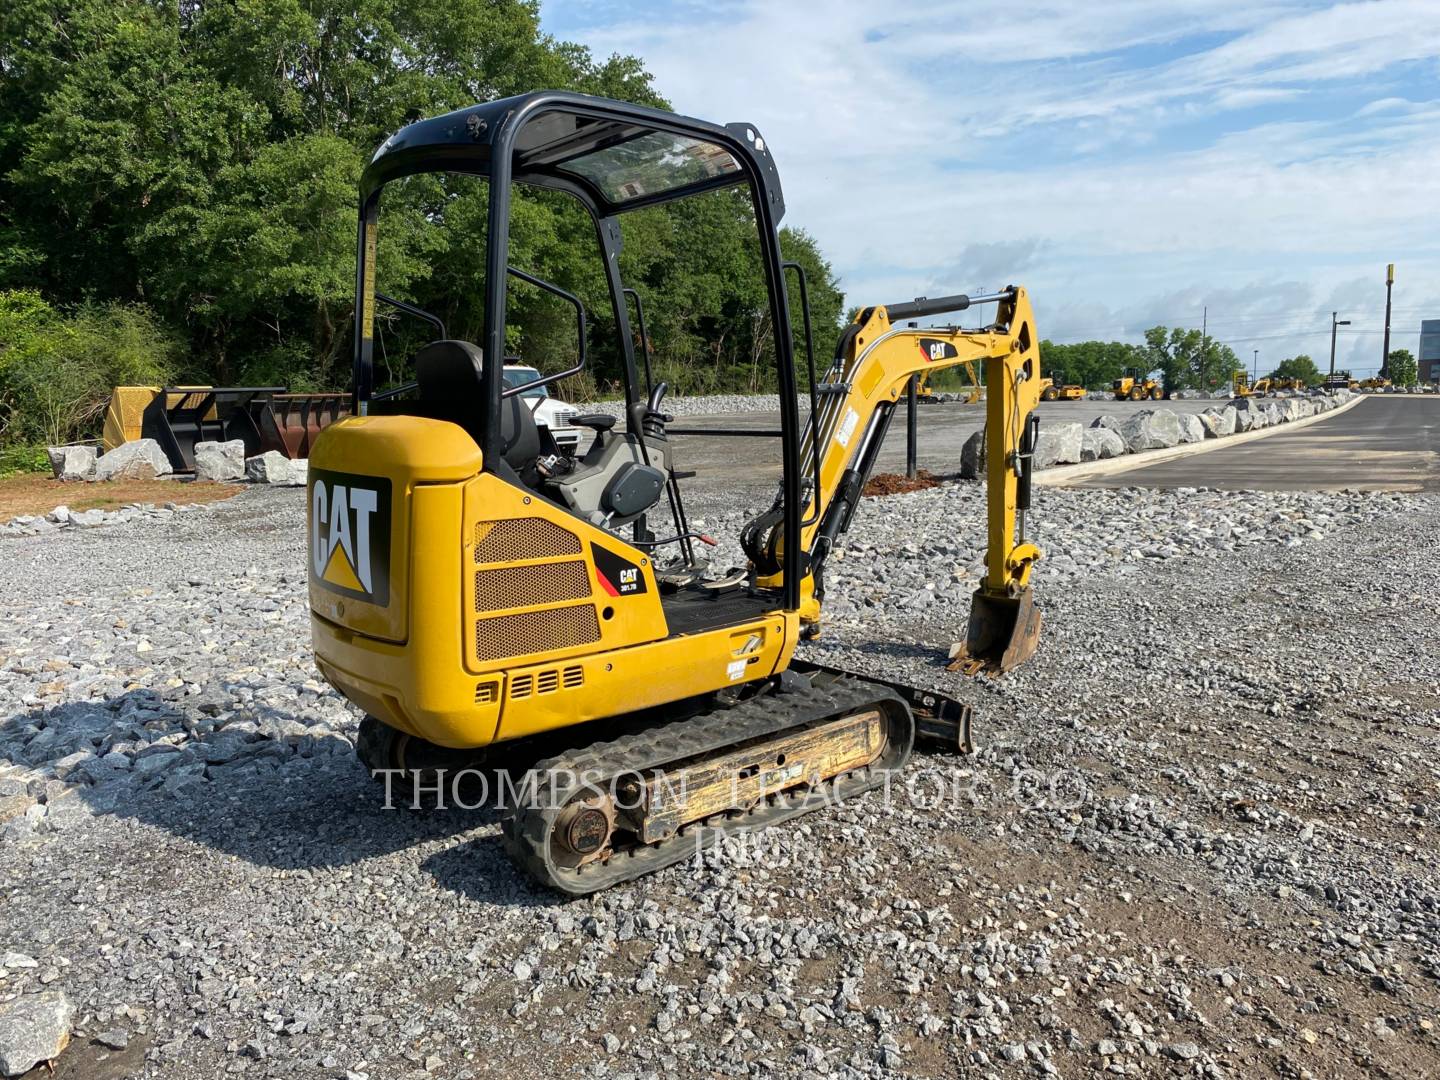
[477, 588]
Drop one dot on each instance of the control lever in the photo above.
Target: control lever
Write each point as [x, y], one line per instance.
[653, 424]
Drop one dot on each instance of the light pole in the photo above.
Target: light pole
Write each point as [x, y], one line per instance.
[1333, 324]
[1385, 348]
[1255, 366]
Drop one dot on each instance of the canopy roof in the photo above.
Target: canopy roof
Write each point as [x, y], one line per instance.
[614, 155]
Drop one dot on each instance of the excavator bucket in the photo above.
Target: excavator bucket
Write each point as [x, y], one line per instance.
[1003, 633]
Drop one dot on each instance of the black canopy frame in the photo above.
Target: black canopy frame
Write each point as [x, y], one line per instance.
[529, 140]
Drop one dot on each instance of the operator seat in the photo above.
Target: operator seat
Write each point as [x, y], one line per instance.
[451, 388]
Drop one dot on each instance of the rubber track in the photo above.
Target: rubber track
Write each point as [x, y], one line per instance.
[526, 831]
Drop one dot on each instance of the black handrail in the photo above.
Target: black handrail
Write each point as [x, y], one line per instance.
[419, 313]
[814, 400]
[644, 338]
[555, 290]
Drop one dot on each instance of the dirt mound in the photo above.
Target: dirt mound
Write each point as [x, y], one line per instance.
[897, 484]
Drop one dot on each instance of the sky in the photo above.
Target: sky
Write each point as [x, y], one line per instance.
[1131, 162]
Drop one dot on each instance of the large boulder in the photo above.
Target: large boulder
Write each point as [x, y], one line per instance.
[220, 460]
[1191, 428]
[1219, 422]
[1058, 444]
[1151, 429]
[72, 462]
[972, 456]
[299, 472]
[1097, 444]
[139, 460]
[1108, 420]
[1260, 414]
[271, 467]
[1275, 413]
[34, 1029]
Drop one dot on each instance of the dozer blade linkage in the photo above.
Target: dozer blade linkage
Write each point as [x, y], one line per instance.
[941, 722]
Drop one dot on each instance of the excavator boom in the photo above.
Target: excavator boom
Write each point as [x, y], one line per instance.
[855, 402]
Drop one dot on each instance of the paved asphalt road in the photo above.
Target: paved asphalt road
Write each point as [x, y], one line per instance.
[1389, 442]
[721, 463]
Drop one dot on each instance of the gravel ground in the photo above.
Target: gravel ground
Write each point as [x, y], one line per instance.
[727, 404]
[1195, 840]
[702, 404]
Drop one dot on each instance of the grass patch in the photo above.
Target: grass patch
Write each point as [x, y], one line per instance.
[21, 459]
[25, 494]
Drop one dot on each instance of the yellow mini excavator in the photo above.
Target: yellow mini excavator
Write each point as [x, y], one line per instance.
[473, 587]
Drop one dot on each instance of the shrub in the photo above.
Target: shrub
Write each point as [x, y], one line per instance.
[57, 368]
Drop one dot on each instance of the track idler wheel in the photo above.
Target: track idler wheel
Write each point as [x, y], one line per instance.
[415, 772]
[1004, 632]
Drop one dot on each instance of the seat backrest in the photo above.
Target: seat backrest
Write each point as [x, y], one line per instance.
[449, 374]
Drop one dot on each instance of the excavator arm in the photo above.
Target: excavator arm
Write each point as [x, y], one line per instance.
[855, 402]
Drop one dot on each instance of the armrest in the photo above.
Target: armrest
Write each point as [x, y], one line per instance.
[594, 421]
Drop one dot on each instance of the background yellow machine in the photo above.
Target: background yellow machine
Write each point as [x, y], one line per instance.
[178, 418]
[1053, 387]
[471, 586]
[1267, 384]
[1135, 385]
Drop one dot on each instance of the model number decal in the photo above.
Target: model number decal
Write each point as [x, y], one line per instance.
[618, 576]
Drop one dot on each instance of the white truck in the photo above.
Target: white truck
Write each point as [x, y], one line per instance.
[548, 411]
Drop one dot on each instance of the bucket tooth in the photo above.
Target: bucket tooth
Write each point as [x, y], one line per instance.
[1003, 633]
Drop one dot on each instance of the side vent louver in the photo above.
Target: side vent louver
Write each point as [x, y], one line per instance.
[546, 682]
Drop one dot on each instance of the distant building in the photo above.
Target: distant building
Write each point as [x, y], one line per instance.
[1429, 359]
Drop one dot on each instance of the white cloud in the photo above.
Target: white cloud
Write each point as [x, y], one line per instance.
[945, 145]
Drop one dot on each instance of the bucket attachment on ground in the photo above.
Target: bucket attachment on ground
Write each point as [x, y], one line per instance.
[299, 418]
[264, 418]
[1004, 632]
[179, 417]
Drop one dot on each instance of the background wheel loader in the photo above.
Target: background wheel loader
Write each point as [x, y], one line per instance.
[1134, 385]
[474, 588]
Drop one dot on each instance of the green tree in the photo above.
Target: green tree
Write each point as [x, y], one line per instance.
[57, 367]
[1403, 369]
[1298, 367]
[1188, 358]
[1091, 364]
[202, 159]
